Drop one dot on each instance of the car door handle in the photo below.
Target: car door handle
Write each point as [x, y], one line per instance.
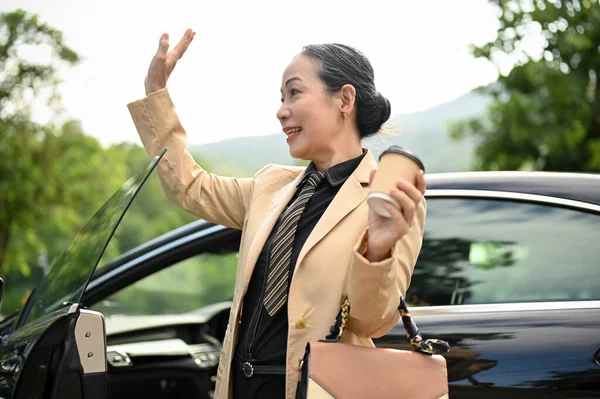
[597, 357]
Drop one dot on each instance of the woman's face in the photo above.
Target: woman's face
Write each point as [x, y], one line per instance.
[309, 115]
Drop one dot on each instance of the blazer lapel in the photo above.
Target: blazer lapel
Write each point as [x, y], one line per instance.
[278, 203]
[352, 193]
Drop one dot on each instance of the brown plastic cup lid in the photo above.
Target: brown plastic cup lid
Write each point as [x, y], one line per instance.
[396, 149]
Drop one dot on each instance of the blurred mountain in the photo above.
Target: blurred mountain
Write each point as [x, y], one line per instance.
[425, 133]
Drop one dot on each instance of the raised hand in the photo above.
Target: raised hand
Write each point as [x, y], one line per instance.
[164, 61]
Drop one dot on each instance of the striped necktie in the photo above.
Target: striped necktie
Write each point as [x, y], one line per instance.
[281, 253]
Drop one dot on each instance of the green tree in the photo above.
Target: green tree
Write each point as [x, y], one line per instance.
[545, 113]
[22, 79]
[52, 177]
[26, 149]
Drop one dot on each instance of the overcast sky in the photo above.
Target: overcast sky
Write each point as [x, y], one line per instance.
[227, 85]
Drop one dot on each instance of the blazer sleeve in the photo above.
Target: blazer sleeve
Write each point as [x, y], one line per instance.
[217, 199]
[374, 288]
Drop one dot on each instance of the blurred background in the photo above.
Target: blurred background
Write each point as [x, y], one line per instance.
[474, 85]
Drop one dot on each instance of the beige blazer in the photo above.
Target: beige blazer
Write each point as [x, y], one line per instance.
[329, 266]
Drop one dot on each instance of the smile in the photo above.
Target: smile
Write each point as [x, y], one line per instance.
[292, 130]
[292, 133]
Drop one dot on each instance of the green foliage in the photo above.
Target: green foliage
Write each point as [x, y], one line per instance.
[30, 155]
[22, 79]
[51, 181]
[54, 178]
[546, 110]
[44, 174]
[151, 213]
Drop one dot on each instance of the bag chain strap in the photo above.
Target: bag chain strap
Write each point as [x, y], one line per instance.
[428, 346]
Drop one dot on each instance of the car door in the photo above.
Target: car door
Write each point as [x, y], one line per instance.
[57, 349]
[512, 283]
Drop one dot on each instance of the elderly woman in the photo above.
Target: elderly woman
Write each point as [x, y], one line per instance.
[309, 238]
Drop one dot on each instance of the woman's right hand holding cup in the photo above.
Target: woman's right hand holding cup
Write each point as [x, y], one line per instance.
[164, 61]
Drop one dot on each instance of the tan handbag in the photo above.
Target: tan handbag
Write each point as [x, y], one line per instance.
[331, 369]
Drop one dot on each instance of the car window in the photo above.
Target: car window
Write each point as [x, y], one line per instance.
[479, 251]
[186, 286]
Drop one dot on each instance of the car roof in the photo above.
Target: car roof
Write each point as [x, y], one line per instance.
[583, 187]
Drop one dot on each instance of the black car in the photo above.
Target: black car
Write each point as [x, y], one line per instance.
[509, 275]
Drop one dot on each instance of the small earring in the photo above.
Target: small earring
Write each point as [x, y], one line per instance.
[343, 114]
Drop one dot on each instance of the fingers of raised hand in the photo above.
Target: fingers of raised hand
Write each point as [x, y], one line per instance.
[163, 45]
[183, 44]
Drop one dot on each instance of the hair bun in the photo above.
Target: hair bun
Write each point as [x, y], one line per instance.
[386, 108]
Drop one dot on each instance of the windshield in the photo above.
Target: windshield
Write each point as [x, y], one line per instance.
[66, 281]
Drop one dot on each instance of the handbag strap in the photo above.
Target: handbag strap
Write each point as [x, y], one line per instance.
[428, 346]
